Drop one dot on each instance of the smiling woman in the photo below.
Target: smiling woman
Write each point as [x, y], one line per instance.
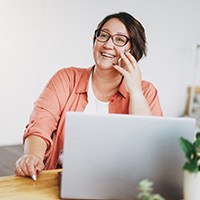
[112, 85]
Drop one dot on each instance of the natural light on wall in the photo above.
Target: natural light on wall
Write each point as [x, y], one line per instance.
[38, 37]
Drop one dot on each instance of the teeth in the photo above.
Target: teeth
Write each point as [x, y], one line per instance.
[107, 55]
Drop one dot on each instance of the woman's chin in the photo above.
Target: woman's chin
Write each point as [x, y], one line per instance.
[106, 65]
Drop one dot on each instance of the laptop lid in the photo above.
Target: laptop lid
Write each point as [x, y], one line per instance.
[106, 156]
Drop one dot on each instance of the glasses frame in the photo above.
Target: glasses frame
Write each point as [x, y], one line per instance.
[111, 36]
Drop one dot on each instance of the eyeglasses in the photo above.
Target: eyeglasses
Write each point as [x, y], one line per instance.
[117, 39]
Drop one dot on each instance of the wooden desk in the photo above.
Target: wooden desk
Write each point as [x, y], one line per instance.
[24, 188]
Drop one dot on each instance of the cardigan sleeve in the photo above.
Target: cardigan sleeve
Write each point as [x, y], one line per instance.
[48, 108]
[151, 94]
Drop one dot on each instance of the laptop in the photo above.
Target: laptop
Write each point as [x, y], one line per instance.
[106, 156]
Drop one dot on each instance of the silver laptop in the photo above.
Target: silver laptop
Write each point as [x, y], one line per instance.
[106, 156]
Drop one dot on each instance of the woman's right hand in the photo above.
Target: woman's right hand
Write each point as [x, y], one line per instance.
[29, 165]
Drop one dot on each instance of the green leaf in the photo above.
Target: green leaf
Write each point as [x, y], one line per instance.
[191, 167]
[187, 147]
[145, 185]
[197, 135]
[157, 197]
[197, 142]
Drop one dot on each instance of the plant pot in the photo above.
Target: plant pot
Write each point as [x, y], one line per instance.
[191, 186]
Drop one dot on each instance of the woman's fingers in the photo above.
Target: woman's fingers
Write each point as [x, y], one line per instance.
[129, 68]
[132, 60]
[126, 62]
[121, 70]
[39, 167]
[28, 165]
[31, 165]
[20, 168]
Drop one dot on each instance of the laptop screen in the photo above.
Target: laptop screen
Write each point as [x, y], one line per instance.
[106, 156]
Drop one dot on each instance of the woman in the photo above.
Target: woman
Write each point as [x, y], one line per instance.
[112, 85]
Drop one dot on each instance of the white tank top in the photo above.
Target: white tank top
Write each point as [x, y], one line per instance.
[94, 105]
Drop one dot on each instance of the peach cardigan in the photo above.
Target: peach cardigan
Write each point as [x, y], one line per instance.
[67, 91]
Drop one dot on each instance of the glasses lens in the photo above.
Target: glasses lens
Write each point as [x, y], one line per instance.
[120, 40]
[102, 36]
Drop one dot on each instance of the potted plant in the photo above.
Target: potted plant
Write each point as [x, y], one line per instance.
[146, 191]
[191, 185]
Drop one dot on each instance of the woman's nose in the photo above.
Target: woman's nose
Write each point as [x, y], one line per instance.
[109, 43]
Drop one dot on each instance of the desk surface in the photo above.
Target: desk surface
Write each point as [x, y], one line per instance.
[45, 187]
[24, 188]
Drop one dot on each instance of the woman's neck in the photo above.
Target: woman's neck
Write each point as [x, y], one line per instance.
[105, 83]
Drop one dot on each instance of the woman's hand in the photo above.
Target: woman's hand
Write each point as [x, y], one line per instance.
[29, 165]
[128, 67]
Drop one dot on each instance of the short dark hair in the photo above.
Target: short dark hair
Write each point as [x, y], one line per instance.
[136, 33]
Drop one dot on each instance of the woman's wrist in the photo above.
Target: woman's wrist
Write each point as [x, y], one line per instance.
[136, 94]
[33, 155]
[35, 146]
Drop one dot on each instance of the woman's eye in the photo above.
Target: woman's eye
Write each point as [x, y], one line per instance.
[103, 36]
[119, 39]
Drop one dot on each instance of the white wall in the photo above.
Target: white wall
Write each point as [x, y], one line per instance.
[38, 37]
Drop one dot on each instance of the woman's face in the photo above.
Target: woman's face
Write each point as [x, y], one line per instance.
[107, 53]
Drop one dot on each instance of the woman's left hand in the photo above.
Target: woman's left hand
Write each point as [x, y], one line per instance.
[128, 67]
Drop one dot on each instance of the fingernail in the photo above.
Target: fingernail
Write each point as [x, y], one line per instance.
[34, 177]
